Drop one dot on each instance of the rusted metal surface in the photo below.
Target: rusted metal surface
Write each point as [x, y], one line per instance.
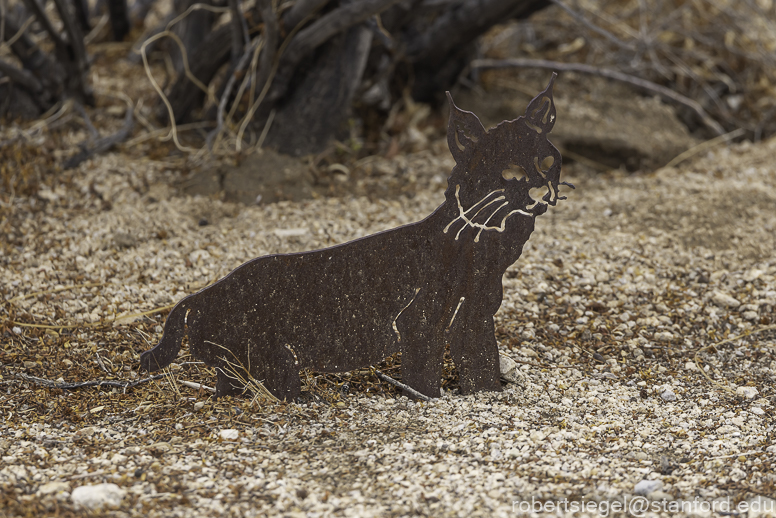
[410, 290]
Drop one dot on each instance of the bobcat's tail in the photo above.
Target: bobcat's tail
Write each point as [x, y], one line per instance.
[167, 349]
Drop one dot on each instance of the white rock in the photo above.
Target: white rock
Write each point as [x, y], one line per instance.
[94, 497]
[756, 410]
[753, 274]
[53, 488]
[229, 434]
[509, 370]
[750, 315]
[724, 300]
[199, 256]
[718, 275]
[747, 392]
[668, 395]
[690, 366]
[646, 487]
[727, 429]
[118, 458]
[292, 232]
[513, 453]
[85, 432]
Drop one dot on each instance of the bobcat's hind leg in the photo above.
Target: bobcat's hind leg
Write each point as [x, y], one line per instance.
[475, 353]
[279, 373]
[227, 385]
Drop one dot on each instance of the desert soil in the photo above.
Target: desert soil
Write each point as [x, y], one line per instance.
[639, 321]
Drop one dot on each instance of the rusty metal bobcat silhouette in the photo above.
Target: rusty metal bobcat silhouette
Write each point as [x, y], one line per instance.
[410, 290]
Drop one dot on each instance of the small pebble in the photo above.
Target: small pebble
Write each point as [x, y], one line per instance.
[646, 487]
[229, 434]
[668, 395]
[97, 496]
[724, 300]
[747, 392]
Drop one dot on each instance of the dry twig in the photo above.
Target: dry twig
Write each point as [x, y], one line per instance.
[648, 86]
[95, 383]
[102, 145]
[405, 388]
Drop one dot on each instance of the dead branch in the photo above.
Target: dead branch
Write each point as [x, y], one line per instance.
[215, 134]
[119, 18]
[139, 10]
[320, 31]
[338, 55]
[135, 56]
[240, 38]
[87, 120]
[270, 35]
[95, 383]
[196, 386]
[103, 144]
[193, 23]
[593, 27]
[49, 74]
[78, 50]
[20, 77]
[649, 86]
[458, 25]
[405, 388]
[715, 54]
[214, 51]
[299, 11]
[44, 20]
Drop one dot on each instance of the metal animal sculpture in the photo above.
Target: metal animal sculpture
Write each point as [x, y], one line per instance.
[410, 290]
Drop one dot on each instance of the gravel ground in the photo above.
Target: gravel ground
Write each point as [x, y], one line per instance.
[638, 327]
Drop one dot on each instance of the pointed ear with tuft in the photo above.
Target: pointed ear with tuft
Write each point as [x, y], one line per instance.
[540, 114]
[464, 129]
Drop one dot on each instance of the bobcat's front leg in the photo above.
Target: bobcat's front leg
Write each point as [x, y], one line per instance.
[475, 352]
[421, 342]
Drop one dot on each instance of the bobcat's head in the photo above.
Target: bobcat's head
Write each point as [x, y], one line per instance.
[510, 169]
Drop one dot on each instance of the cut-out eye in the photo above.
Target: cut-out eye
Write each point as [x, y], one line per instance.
[544, 167]
[514, 172]
[542, 193]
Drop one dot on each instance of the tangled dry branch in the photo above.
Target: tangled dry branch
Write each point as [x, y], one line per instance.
[718, 55]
